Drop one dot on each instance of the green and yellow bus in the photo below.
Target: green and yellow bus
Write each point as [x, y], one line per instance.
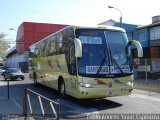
[85, 62]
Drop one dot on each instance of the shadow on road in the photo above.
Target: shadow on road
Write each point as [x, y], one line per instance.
[100, 104]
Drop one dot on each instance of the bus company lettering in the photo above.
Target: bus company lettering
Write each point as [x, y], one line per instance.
[97, 69]
[122, 67]
[116, 69]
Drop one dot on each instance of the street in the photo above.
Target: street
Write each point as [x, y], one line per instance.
[139, 102]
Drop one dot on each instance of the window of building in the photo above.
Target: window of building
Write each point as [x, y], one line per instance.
[129, 35]
[141, 35]
[155, 33]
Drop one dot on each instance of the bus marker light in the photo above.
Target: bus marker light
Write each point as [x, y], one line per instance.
[102, 26]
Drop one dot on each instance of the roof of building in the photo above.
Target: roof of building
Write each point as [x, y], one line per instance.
[11, 51]
[150, 25]
[108, 22]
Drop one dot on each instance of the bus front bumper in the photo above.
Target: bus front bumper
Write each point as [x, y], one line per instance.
[91, 93]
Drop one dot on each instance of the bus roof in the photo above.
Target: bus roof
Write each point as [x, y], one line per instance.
[102, 27]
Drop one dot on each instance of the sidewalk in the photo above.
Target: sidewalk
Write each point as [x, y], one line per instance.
[10, 108]
[149, 84]
[8, 105]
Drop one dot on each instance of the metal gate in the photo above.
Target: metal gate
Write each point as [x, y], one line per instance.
[38, 99]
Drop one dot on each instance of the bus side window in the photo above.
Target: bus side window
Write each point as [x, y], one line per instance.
[32, 55]
[35, 52]
[32, 52]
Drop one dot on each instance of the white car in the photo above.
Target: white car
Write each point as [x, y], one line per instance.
[13, 73]
[2, 70]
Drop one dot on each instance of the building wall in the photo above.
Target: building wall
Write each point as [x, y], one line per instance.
[29, 33]
[128, 27]
[155, 36]
[18, 61]
[155, 52]
[14, 61]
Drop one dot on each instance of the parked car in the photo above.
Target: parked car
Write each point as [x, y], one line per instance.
[2, 70]
[13, 73]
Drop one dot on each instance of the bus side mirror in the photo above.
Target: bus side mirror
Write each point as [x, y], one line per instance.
[78, 48]
[138, 46]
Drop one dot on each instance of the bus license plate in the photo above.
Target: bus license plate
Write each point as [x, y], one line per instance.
[125, 90]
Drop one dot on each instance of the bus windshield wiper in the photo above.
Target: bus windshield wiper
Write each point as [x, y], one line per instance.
[113, 59]
[101, 65]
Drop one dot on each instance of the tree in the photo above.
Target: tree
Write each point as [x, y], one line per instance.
[3, 46]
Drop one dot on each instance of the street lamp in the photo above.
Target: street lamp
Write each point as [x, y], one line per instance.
[120, 13]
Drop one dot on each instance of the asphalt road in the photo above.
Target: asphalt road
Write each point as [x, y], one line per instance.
[139, 102]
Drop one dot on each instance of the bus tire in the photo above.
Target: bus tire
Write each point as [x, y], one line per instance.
[62, 88]
[35, 78]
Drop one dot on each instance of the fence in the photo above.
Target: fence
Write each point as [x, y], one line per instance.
[41, 99]
[147, 71]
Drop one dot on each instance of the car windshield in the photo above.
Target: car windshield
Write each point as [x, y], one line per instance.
[3, 68]
[14, 70]
[103, 52]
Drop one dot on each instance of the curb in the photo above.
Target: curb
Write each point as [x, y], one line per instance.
[147, 88]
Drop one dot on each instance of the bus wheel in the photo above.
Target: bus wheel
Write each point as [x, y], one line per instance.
[62, 89]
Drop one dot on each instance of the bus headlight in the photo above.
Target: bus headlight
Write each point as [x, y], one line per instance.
[128, 83]
[87, 85]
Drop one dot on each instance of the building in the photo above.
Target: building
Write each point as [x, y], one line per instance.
[151, 33]
[27, 34]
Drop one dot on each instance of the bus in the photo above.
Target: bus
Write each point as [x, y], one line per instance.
[85, 62]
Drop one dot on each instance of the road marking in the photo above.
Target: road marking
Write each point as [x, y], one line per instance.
[18, 105]
[145, 97]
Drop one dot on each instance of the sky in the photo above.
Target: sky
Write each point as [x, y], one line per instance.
[73, 12]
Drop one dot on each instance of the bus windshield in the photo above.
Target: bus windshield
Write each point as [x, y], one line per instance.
[103, 53]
